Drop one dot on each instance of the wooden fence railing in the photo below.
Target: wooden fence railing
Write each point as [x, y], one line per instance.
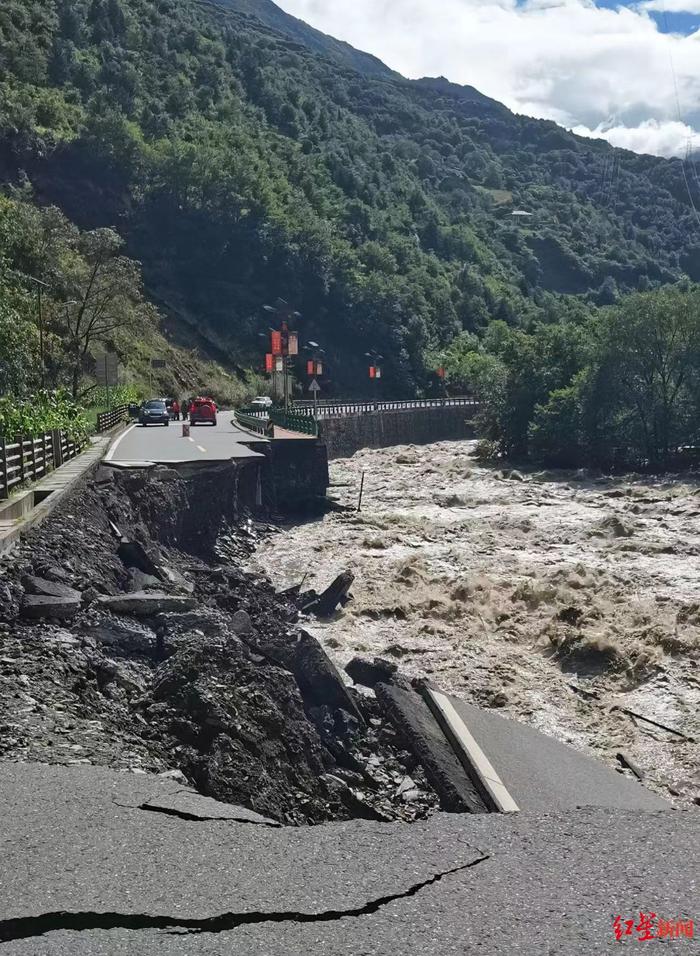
[29, 459]
[107, 420]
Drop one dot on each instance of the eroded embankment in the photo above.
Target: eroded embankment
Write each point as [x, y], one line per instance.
[565, 600]
[131, 637]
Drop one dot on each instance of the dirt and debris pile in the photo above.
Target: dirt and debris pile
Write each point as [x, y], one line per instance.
[130, 637]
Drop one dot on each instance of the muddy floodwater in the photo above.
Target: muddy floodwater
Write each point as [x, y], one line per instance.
[561, 599]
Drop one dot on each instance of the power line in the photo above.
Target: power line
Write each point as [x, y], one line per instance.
[680, 120]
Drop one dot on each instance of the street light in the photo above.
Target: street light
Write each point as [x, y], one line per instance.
[39, 286]
[375, 369]
[284, 342]
[270, 362]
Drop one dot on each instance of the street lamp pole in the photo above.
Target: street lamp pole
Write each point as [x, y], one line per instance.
[375, 370]
[288, 339]
[40, 286]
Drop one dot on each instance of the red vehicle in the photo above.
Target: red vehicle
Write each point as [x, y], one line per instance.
[203, 410]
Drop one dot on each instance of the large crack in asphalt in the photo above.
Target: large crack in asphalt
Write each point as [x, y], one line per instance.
[193, 817]
[200, 818]
[29, 927]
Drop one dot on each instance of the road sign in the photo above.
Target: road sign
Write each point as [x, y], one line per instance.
[315, 388]
[107, 370]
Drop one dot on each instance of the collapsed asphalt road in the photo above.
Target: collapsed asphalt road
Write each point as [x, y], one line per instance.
[164, 718]
[115, 879]
[130, 638]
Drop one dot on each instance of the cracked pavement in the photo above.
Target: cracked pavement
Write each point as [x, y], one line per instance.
[86, 870]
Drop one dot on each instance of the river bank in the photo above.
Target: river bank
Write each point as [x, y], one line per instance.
[564, 600]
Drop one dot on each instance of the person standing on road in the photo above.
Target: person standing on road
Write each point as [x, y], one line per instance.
[176, 410]
[184, 409]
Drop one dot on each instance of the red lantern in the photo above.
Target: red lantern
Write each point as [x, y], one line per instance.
[269, 362]
[276, 340]
[319, 368]
[310, 368]
[293, 343]
[372, 371]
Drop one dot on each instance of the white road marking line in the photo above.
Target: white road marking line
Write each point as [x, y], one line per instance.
[110, 454]
[203, 450]
[190, 439]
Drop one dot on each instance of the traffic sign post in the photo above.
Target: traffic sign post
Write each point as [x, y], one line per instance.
[315, 388]
[157, 364]
[107, 372]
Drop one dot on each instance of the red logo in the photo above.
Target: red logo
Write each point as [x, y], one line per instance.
[648, 922]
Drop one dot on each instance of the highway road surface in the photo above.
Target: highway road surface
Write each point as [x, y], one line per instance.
[87, 873]
[156, 443]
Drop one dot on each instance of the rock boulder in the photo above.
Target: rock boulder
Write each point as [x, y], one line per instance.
[146, 603]
[36, 606]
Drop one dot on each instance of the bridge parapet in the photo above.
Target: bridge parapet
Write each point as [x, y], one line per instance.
[331, 409]
[347, 433]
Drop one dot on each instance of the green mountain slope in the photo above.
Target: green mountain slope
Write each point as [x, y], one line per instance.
[339, 51]
[240, 166]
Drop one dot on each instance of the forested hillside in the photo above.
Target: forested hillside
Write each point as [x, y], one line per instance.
[239, 165]
[273, 16]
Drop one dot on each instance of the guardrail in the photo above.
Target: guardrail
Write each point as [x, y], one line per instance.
[303, 415]
[254, 421]
[328, 409]
[29, 459]
[107, 420]
[294, 422]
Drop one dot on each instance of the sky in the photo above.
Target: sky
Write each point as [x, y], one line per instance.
[629, 73]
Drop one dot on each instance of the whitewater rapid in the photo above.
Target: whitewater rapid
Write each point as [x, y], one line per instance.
[513, 588]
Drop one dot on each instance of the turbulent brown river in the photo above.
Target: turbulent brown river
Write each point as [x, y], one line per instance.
[562, 599]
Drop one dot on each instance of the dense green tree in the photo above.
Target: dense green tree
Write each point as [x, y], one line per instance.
[103, 290]
[648, 359]
[91, 293]
[239, 166]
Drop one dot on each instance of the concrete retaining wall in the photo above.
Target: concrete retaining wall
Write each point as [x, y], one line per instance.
[345, 435]
[293, 478]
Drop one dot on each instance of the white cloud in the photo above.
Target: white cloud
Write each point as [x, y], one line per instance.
[671, 6]
[668, 138]
[605, 70]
